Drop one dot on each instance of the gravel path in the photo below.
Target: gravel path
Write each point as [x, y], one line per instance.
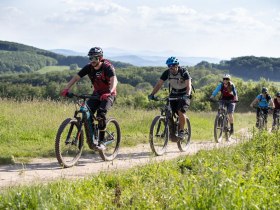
[46, 169]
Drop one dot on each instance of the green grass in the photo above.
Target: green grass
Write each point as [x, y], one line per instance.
[242, 177]
[47, 69]
[28, 129]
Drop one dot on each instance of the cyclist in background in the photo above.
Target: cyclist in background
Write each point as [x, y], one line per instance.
[264, 101]
[276, 102]
[104, 80]
[228, 97]
[181, 86]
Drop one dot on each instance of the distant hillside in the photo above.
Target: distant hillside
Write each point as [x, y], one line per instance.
[15, 57]
[248, 67]
[146, 58]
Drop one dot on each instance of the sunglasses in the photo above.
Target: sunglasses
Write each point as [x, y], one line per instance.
[93, 58]
[225, 78]
[172, 65]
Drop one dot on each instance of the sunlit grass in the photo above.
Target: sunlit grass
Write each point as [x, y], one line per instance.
[242, 177]
[47, 69]
[28, 129]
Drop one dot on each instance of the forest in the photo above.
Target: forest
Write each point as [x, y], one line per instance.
[20, 78]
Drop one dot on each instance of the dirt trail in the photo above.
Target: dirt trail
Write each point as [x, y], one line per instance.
[46, 169]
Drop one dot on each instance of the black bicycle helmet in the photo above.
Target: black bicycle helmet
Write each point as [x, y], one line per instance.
[278, 94]
[96, 52]
[264, 90]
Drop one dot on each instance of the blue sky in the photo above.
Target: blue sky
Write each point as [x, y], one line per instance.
[213, 28]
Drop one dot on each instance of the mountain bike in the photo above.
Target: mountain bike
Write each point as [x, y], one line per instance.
[262, 118]
[69, 140]
[277, 121]
[221, 123]
[166, 126]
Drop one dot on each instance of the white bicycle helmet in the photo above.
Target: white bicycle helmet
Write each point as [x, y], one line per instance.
[226, 76]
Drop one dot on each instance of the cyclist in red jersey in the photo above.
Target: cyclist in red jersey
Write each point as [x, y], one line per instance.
[228, 93]
[276, 102]
[104, 80]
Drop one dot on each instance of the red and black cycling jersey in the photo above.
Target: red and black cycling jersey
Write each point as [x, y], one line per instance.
[100, 78]
[276, 103]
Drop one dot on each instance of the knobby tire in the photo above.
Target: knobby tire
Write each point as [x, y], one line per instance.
[218, 128]
[113, 138]
[68, 150]
[159, 135]
[184, 143]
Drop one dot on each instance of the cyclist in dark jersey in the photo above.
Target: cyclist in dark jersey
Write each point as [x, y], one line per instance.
[228, 93]
[180, 83]
[276, 102]
[103, 78]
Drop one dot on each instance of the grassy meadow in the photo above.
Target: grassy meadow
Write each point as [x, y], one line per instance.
[242, 177]
[48, 69]
[28, 128]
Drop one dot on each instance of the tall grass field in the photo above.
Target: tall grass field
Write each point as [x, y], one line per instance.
[28, 128]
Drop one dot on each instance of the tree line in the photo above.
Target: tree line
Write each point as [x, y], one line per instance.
[135, 83]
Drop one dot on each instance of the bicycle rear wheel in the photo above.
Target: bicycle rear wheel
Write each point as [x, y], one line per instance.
[69, 143]
[184, 143]
[112, 140]
[218, 128]
[159, 135]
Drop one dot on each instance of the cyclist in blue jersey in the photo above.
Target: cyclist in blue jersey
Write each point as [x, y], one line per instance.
[264, 101]
[228, 96]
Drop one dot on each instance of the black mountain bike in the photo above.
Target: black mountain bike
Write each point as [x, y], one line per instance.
[277, 121]
[221, 124]
[166, 126]
[69, 140]
[262, 118]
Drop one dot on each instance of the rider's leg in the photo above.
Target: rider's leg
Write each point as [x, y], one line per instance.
[274, 118]
[230, 109]
[104, 107]
[182, 120]
[183, 106]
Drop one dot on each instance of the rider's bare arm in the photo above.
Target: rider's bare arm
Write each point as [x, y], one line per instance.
[271, 104]
[254, 102]
[188, 86]
[157, 87]
[113, 83]
[74, 79]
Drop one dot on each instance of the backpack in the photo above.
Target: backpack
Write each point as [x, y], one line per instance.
[268, 97]
[181, 73]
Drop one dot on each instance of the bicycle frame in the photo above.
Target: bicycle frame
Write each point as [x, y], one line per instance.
[262, 117]
[87, 119]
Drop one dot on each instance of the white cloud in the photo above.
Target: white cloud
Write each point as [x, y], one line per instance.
[191, 29]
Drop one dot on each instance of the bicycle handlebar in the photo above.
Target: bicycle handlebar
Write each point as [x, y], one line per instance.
[266, 108]
[82, 96]
[171, 98]
[225, 101]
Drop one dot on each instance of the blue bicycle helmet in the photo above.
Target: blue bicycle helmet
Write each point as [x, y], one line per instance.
[172, 61]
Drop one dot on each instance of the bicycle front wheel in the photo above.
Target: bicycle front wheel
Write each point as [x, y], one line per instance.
[159, 135]
[184, 143]
[218, 128]
[112, 140]
[69, 143]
